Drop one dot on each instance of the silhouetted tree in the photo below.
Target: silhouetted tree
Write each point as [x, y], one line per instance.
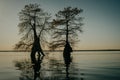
[66, 27]
[33, 26]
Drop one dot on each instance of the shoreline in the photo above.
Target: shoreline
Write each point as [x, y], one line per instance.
[60, 50]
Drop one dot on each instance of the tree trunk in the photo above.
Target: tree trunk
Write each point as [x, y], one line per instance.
[36, 48]
[36, 44]
[67, 31]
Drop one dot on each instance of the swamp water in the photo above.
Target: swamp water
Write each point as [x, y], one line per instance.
[102, 65]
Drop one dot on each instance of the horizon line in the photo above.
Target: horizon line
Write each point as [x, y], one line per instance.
[61, 50]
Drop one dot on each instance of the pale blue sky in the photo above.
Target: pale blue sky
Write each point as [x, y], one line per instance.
[101, 21]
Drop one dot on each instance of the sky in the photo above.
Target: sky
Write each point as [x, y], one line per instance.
[101, 21]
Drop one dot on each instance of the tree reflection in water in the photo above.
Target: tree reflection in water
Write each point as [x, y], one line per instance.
[47, 68]
[26, 69]
[37, 66]
[30, 70]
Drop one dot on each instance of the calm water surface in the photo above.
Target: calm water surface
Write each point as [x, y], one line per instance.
[84, 66]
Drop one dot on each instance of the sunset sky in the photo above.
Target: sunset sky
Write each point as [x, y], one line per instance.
[101, 21]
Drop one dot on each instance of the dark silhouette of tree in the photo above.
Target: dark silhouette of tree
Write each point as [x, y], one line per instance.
[37, 67]
[33, 26]
[66, 26]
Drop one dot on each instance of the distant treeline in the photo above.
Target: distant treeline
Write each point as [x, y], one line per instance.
[60, 50]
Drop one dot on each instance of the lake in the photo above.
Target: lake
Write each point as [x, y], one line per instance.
[96, 65]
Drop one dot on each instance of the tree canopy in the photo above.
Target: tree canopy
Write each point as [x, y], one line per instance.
[66, 27]
[33, 22]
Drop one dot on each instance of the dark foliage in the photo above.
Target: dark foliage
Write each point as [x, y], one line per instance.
[66, 27]
[34, 23]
